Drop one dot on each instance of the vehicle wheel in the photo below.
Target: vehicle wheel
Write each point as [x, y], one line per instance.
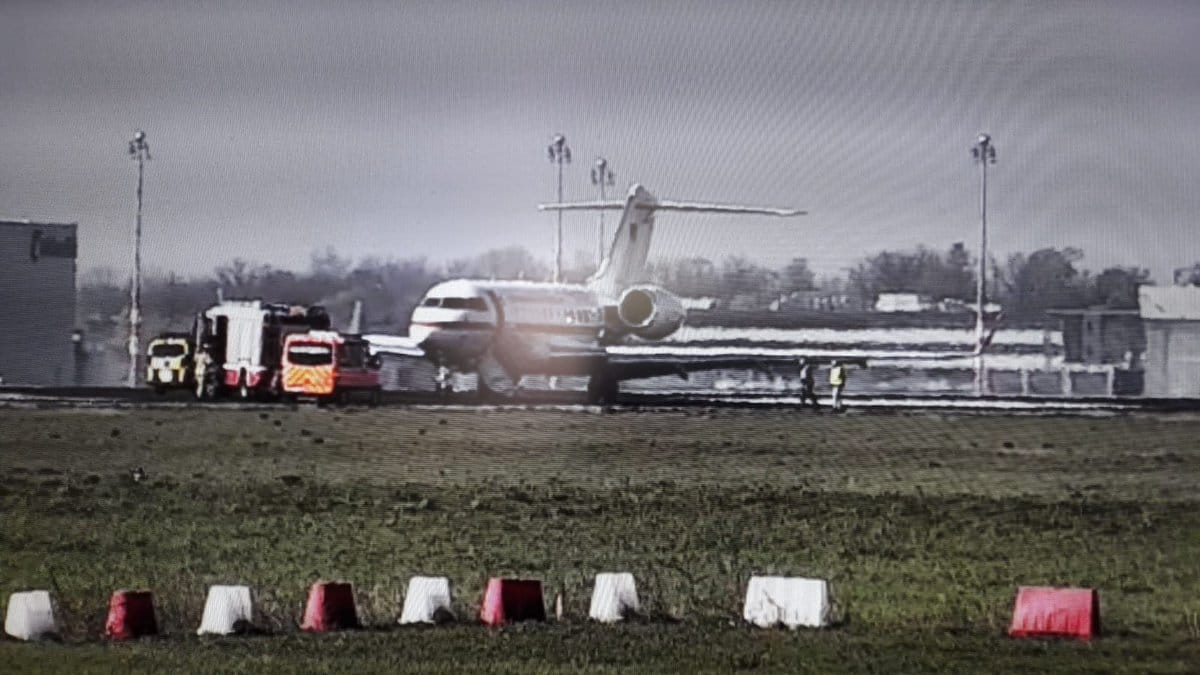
[602, 390]
[212, 388]
[376, 397]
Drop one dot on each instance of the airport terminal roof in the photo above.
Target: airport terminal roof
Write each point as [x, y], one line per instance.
[1180, 303]
[24, 222]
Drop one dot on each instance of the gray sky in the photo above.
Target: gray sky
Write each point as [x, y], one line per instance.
[404, 129]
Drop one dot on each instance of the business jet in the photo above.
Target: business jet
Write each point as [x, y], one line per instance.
[505, 330]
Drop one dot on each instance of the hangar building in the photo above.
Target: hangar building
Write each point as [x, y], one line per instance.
[37, 302]
[1171, 315]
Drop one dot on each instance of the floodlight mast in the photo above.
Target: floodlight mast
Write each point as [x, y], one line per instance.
[139, 150]
[602, 176]
[984, 153]
[559, 154]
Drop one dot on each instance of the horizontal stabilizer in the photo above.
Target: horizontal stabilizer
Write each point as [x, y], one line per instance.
[696, 207]
[687, 207]
[583, 206]
[626, 262]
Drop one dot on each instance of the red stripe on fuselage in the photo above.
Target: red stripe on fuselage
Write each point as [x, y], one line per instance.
[519, 327]
[457, 325]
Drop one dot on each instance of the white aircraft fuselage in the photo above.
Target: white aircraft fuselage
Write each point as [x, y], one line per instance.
[460, 322]
[504, 330]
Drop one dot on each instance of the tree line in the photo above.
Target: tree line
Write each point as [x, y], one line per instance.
[1026, 285]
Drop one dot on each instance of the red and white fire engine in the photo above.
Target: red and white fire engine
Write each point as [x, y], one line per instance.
[239, 346]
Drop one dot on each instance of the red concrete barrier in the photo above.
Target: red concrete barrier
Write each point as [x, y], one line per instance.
[130, 615]
[330, 607]
[510, 600]
[1056, 612]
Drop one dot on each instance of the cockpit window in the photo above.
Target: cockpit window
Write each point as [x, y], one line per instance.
[432, 302]
[473, 304]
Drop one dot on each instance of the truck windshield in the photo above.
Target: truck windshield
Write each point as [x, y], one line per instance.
[310, 354]
[167, 349]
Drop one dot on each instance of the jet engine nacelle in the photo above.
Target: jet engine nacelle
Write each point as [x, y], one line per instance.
[650, 312]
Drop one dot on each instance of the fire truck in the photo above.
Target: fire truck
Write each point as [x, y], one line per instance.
[329, 366]
[239, 346]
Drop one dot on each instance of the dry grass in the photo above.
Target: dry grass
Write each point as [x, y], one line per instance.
[924, 524]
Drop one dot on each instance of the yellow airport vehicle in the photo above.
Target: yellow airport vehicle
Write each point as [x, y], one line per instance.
[169, 361]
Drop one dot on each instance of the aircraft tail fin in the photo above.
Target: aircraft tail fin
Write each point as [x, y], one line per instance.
[626, 262]
[356, 319]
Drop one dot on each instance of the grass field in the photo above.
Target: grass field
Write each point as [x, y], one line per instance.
[924, 524]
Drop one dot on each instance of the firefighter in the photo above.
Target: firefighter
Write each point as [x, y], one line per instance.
[807, 384]
[837, 380]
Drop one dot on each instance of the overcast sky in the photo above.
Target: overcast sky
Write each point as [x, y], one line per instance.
[399, 129]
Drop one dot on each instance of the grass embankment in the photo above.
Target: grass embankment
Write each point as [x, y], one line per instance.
[924, 524]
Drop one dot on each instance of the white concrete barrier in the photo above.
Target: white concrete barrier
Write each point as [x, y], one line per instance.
[790, 601]
[427, 600]
[30, 615]
[226, 611]
[614, 595]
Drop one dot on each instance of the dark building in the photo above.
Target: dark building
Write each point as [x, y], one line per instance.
[1101, 335]
[37, 297]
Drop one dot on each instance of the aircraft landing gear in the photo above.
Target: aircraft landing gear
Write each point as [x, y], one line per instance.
[602, 390]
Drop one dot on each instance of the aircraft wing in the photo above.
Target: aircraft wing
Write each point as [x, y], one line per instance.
[394, 344]
[626, 365]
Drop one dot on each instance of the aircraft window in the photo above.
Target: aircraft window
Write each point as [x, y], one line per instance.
[474, 304]
[432, 302]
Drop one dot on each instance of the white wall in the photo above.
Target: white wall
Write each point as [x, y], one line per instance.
[1172, 361]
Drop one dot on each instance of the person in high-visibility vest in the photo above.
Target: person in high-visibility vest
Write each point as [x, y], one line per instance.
[837, 379]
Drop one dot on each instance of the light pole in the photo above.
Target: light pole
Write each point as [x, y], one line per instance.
[559, 154]
[602, 176]
[984, 153]
[139, 149]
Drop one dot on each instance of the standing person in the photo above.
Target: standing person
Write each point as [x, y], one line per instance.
[837, 379]
[807, 384]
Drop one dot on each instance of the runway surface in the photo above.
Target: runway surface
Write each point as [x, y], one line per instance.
[125, 398]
